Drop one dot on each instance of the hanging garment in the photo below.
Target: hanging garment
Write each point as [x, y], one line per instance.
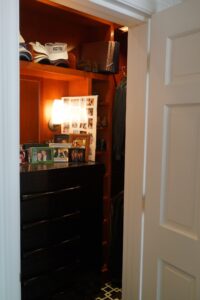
[119, 118]
[116, 238]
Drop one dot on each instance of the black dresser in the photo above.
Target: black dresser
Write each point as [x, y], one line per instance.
[61, 230]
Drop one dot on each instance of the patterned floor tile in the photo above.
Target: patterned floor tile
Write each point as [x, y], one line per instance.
[109, 292]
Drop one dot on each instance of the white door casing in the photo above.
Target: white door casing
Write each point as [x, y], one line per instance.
[9, 152]
[172, 212]
[134, 159]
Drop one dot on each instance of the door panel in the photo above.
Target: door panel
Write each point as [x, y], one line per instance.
[175, 283]
[172, 211]
[180, 164]
[182, 59]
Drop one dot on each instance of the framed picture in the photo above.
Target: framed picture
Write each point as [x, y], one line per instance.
[61, 138]
[80, 141]
[41, 155]
[22, 155]
[76, 154]
[60, 151]
[27, 149]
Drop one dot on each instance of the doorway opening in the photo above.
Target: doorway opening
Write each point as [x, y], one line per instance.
[40, 84]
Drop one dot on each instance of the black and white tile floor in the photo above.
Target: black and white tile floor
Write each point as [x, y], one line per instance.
[109, 292]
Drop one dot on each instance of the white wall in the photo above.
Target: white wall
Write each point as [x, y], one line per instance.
[9, 157]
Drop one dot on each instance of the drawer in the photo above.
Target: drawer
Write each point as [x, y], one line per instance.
[57, 177]
[42, 287]
[47, 232]
[36, 207]
[44, 260]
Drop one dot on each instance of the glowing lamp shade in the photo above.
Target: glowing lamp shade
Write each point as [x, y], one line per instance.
[75, 112]
[57, 114]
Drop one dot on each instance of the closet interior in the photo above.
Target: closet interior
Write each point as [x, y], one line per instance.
[81, 241]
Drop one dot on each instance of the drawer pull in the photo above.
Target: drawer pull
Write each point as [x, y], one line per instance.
[36, 195]
[40, 250]
[50, 221]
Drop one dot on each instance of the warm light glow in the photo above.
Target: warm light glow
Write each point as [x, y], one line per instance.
[57, 113]
[124, 28]
[75, 112]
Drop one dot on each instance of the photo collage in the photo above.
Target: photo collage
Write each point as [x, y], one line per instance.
[81, 113]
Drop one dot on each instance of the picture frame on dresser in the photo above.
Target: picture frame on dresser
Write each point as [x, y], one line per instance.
[41, 155]
[27, 148]
[61, 138]
[60, 151]
[80, 141]
[76, 154]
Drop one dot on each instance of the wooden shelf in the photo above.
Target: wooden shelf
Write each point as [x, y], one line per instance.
[56, 73]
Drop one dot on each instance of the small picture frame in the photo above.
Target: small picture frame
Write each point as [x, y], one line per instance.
[22, 155]
[76, 154]
[61, 138]
[60, 151]
[41, 155]
[27, 149]
[80, 141]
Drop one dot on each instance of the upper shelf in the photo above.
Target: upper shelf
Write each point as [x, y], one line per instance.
[57, 73]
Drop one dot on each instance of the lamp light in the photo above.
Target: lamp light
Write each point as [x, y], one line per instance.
[57, 114]
[124, 28]
[75, 112]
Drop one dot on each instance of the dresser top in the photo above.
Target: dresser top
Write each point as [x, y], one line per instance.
[27, 168]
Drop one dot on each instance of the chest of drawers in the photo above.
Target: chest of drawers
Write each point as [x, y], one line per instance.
[61, 229]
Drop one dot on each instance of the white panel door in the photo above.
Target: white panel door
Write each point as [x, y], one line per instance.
[172, 214]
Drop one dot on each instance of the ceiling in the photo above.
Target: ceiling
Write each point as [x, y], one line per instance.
[145, 6]
[124, 12]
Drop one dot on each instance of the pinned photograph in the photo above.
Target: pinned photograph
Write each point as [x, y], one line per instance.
[90, 101]
[90, 112]
[90, 123]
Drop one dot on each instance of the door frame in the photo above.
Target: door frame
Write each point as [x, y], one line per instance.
[135, 159]
[9, 171]
[9, 152]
